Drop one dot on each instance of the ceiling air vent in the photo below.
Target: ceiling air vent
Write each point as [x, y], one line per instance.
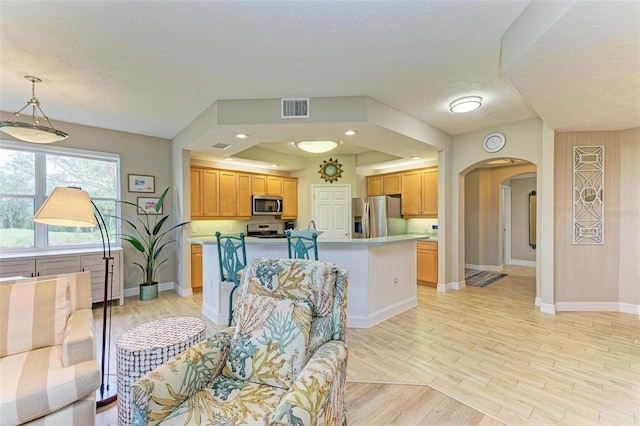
[220, 146]
[295, 108]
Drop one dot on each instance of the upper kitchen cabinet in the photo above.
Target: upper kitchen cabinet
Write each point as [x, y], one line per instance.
[204, 193]
[266, 185]
[420, 193]
[289, 198]
[388, 184]
[235, 194]
[374, 185]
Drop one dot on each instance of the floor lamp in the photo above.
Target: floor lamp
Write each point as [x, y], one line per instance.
[73, 207]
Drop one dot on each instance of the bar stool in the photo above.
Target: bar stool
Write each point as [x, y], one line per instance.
[232, 257]
[300, 246]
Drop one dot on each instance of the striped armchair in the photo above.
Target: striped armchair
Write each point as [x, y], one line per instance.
[47, 351]
[284, 363]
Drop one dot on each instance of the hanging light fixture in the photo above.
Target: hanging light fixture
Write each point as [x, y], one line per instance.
[32, 132]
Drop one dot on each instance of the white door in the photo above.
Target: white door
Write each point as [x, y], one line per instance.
[332, 210]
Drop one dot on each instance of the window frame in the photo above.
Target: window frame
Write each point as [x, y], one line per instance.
[41, 242]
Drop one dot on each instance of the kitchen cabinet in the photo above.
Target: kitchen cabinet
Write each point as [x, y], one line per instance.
[392, 184]
[420, 193]
[204, 193]
[289, 198]
[196, 268]
[266, 185]
[234, 193]
[222, 194]
[427, 261]
[374, 185]
[56, 264]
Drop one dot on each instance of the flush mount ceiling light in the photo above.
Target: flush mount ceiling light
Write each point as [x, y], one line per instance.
[32, 132]
[317, 147]
[466, 104]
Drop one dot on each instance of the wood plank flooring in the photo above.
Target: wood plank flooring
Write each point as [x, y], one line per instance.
[479, 356]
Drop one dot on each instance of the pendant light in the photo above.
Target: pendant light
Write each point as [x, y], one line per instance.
[32, 132]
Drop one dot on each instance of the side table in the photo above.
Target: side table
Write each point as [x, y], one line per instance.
[148, 346]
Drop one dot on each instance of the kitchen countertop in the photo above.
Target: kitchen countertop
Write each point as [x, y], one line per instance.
[210, 239]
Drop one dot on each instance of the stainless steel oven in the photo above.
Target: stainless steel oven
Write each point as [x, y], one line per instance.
[267, 205]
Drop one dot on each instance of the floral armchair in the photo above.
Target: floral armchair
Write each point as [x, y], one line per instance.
[284, 363]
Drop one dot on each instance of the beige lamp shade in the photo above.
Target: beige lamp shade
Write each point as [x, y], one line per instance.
[67, 207]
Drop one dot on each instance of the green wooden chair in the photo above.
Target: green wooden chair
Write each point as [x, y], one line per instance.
[232, 258]
[299, 246]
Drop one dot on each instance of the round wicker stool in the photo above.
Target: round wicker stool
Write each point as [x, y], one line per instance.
[146, 347]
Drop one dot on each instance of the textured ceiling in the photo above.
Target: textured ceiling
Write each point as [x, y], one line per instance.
[152, 67]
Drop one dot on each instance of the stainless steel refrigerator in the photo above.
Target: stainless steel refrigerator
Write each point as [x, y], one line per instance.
[378, 216]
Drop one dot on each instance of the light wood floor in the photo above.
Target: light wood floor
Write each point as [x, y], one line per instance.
[470, 357]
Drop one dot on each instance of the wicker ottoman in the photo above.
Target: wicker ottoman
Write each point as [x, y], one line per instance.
[146, 347]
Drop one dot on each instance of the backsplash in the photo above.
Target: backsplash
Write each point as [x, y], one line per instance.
[421, 226]
[201, 228]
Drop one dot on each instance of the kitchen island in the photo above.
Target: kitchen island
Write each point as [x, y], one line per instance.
[382, 274]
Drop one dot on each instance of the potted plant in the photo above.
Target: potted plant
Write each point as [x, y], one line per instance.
[149, 238]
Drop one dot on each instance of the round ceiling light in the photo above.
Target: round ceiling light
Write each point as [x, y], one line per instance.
[350, 132]
[466, 104]
[316, 147]
[242, 135]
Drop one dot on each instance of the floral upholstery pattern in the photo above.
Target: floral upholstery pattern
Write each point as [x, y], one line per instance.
[207, 385]
[269, 344]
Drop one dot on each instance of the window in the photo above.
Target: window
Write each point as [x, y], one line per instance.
[28, 174]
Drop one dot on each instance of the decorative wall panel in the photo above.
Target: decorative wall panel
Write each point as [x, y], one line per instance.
[588, 195]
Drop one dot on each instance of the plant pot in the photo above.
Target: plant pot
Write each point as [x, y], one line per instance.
[148, 292]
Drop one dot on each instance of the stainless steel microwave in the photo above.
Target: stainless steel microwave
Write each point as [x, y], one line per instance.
[267, 205]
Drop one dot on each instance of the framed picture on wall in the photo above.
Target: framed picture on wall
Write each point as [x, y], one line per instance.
[142, 183]
[148, 205]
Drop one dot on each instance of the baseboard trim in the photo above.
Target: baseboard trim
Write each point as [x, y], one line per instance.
[518, 262]
[626, 308]
[547, 308]
[213, 314]
[492, 268]
[538, 301]
[381, 315]
[161, 287]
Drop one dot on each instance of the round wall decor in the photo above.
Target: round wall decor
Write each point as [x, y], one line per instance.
[330, 170]
[494, 142]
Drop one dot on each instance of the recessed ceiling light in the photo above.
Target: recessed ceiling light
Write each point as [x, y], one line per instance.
[274, 165]
[242, 135]
[350, 132]
[316, 147]
[415, 158]
[466, 104]
[229, 159]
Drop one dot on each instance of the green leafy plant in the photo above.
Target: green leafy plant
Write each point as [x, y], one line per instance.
[150, 238]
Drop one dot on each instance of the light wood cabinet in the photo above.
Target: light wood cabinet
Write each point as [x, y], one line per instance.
[427, 261]
[204, 193]
[392, 184]
[196, 268]
[221, 194]
[289, 198]
[374, 185]
[234, 194]
[266, 185]
[420, 193]
[32, 266]
[274, 185]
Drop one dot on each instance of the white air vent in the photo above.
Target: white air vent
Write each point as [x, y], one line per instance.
[295, 108]
[220, 146]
